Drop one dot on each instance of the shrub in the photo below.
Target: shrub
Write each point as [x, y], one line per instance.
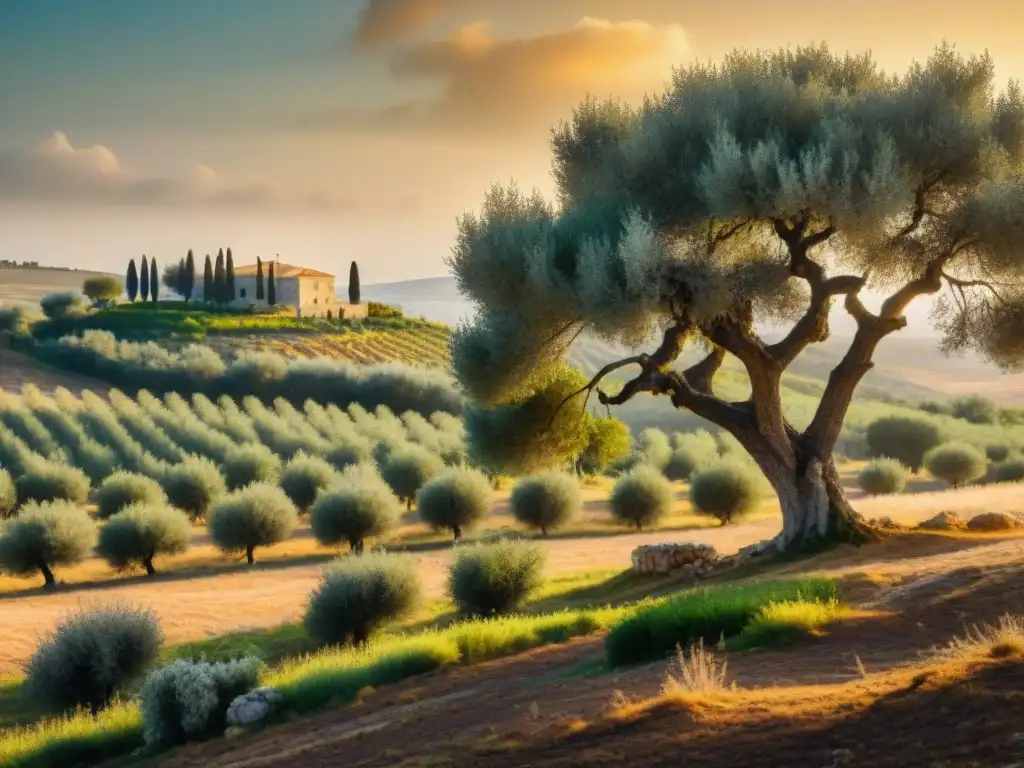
[936, 408]
[956, 463]
[904, 438]
[194, 485]
[655, 447]
[92, 656]
[641, 498]
[44, 535]
[457, 500]
[8, 495]
[997, 452]
[255, 516]
[53, 482]
[976, 409]
[14, 320]
[358, 595]
[59, 305]
[304, 477]
[1009, 471]
[706, 615]
[882, 476]
[546, 502]
[188, 700]
[122, 489]
[488, 579]
[726, 491]
[250, 463]
[682, 464]
[409, 468]
[361, 506]
[102, 288]
[140, 532]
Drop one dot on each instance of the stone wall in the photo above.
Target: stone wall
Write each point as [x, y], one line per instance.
[695, 558]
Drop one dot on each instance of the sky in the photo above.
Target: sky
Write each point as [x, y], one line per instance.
[322, 131]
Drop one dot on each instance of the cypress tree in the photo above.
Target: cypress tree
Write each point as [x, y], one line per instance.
[190, 275]
[219, 279]
[353, 283]
[144, 279]
[229, 278]
[154, 281]
[179, 279]
[271, 287]
[131, 283]
[260, 295]
[208, 280]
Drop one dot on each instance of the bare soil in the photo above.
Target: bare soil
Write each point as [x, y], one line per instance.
[808, 705]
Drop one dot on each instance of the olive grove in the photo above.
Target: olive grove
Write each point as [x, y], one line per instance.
[756, 193]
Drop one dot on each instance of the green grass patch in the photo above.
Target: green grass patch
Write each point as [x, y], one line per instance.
[140, 322]
[75, 740]
[657, 627]
[787, 622]
[329, 677]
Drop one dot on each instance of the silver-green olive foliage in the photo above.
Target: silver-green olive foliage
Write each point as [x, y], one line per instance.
[765, 189]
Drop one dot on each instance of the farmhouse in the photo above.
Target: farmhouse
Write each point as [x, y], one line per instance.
[309, 292]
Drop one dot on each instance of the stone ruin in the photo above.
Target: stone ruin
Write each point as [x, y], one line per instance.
[693, 558]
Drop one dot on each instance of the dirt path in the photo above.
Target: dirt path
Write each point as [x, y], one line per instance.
[522, 711]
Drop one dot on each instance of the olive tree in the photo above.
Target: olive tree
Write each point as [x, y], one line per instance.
[767, 189]
[44, 535]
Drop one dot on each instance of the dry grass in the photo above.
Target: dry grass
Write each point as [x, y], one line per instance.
[1002, 640]
[695, 671]
[913, 508]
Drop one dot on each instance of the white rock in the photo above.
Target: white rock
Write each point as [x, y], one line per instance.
[253, 706]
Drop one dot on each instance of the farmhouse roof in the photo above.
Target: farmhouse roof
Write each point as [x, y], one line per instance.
[281, 271]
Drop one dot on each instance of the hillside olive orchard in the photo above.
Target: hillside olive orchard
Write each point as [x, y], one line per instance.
[762, 190]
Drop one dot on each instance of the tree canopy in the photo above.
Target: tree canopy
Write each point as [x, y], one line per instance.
[758, 191]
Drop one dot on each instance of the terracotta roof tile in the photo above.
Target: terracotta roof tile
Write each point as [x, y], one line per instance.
[281, 270]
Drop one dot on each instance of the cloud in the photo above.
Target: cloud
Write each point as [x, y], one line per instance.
[384, 21]
[487, 84]
[56, 171]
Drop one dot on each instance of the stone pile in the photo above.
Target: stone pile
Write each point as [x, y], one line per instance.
[693, 558]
